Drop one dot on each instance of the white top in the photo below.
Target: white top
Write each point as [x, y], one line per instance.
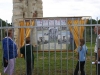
[95, 48]
[27, 44]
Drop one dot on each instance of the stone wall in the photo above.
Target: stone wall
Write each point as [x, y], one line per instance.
[26, 9]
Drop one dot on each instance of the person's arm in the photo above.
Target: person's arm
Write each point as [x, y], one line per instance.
[78, 52]
[99, 53]
[5, 49]
[22, 50]
[78, 56]
[86, 50]
[98, 49]
[98, 56]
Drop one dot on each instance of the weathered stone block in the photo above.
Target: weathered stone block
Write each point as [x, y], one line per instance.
[18, 1]
[39, 6]
[28, 8]
[17, 13]
[18, 5]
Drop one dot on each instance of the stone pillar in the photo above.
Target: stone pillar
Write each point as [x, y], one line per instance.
[26, 9]
[34, 10]
[17, 14]
[39, 8]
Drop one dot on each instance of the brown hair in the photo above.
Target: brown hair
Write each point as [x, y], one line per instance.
[82, 41]
[8, 32]
[27, 40]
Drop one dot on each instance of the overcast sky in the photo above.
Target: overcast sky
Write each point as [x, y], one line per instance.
[54, 8]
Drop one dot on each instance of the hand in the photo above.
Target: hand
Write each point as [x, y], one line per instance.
[35, 45]
[6, 61]
[96, 61]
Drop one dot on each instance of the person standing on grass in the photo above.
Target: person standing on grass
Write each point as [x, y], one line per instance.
[9, 52]
[82, 51]
[97, 31]
[27, 51]
[97, 49]
[96, 62]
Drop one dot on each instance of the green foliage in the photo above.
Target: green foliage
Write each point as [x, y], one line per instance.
[4, 23]
[92, 21]
[98, 21]
[90, 30]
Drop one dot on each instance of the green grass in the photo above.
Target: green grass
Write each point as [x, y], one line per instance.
[58, 63]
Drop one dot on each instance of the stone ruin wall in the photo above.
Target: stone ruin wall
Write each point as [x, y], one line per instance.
[26, 9]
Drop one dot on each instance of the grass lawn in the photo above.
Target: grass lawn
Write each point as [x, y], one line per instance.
[54, 63]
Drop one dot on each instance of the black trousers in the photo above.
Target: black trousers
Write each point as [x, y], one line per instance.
[29, 68]
[4, 62]
[81, 65]
[97, 69]
[97, 65]
[95, 56]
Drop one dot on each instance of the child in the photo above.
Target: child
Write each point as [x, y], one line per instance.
[27, 51]
[82, 50]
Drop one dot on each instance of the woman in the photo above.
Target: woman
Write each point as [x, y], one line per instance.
[9, 52]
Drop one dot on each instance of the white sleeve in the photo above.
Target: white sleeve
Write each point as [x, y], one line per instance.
[95, 48]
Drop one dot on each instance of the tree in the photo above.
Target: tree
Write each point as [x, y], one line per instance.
[92, 21]
[98, 21]
[4, 23]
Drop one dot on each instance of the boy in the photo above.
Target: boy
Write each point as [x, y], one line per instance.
[27, 51]
[82, 50]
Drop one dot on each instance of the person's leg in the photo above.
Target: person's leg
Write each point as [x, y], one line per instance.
[10, 67]
[97, 69]
[33, 62]
[96, 64]
[76, 69]
[95, 56]
[82, 67]
[29, 68]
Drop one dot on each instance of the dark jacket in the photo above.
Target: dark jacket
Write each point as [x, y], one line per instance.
[28, 54]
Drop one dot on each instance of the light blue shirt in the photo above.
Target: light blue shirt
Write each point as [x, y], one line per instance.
[82, 53]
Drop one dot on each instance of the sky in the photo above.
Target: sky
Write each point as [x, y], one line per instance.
[57, 8]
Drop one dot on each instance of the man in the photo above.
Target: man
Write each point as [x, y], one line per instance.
[97, 49]
[9, 52]
[27, 51]
[97, 31]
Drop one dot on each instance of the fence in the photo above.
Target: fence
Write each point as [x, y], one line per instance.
[55, 50]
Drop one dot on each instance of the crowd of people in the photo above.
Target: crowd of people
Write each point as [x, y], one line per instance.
[10, 54]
